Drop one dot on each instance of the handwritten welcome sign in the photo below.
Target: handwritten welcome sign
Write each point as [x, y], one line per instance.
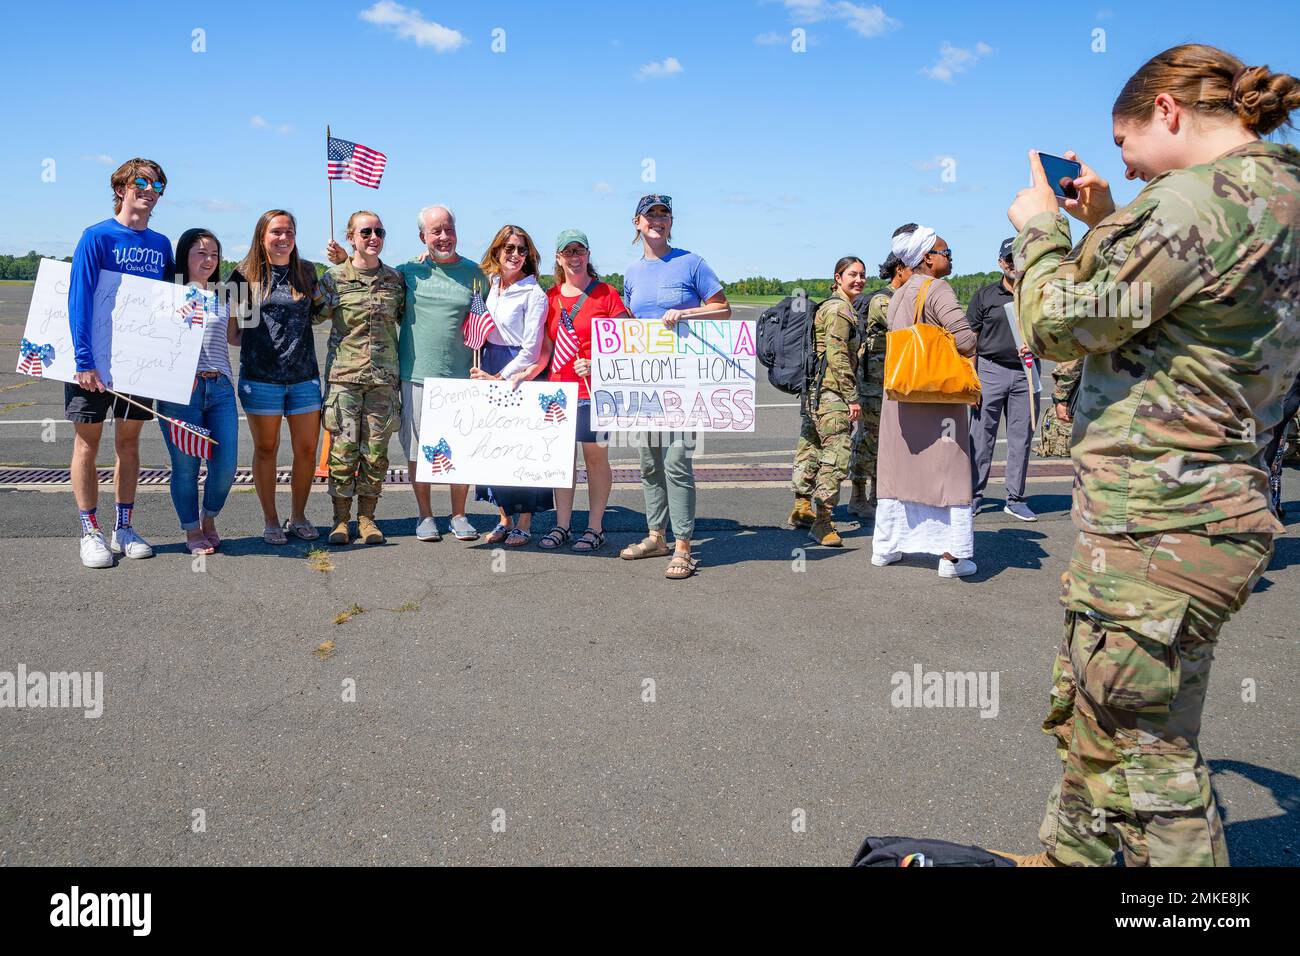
[485, 433]
[146, 336]
[697, 376]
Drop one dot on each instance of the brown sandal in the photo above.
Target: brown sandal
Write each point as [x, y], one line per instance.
[682, 566]
[647, 547]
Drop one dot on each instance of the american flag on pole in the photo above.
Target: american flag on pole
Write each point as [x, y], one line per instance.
[566, 340]
[553, 405]
[191, 439]
[439, 456]
[478, 323]
[361, 164]
[33, 358]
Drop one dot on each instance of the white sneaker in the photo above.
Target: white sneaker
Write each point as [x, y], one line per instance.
[128, 542]
[956, 569]
[880, 560]
[94, 550]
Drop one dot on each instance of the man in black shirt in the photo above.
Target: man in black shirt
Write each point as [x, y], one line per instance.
[1004, 386]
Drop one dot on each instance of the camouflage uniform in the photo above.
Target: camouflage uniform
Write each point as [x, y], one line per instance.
[871, 379]
[362, 402]
[821, 461]
[1169, 494]
[1054, 440]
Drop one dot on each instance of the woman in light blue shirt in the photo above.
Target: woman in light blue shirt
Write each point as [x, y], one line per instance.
[671, 285]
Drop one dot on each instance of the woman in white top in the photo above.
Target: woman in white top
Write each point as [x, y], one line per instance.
[517, 305]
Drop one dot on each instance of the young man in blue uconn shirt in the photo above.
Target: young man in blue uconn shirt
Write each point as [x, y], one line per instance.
[127, 245]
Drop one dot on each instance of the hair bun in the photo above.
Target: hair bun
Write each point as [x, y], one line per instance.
[1264, 100]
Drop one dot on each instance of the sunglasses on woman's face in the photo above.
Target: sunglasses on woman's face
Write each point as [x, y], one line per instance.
[143, 185]
[512, 249]
[367, 231]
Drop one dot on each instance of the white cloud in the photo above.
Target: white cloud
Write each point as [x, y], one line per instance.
[410, 24]
[667, 67]
[772, 38]
[739, 199]
[602, 187]
[866, 21]
[284, 129]
[257, 122]
[102, 158]
[955, 59]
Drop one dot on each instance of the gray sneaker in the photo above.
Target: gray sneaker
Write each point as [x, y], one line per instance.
[462, 529]
[94, 550]
[427, 530]
[1018, 509]
[128, 542]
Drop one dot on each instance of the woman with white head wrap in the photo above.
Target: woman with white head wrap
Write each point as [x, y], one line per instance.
[923, 473]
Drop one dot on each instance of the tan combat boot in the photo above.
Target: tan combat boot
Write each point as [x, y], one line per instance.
[802, 515]
[823, 530]
[342, 513]
[367, 531]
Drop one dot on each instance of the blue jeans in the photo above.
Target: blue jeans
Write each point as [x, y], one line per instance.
[211, 406]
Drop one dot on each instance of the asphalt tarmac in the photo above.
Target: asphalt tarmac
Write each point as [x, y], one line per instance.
[453, 703]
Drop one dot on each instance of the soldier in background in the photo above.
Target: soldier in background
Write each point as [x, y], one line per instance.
[366, 300]
[1183, 305]
[1054, 439]
[872, 329]
[829, 407]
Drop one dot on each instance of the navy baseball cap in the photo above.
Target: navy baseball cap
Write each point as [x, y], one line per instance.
[653, 200]
[1005, 251]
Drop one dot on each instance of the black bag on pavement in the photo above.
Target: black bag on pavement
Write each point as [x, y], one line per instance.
[904, 851]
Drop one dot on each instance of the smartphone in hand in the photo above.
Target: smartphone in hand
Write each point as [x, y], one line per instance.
[1061, 173]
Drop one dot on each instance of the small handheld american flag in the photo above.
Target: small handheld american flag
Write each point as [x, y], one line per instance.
[566, 340]
[361, 164]
[553, 405]
[439, 457]
[33, 358]
[478, 323]
[191, 439]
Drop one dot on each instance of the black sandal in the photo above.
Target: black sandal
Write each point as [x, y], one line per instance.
[553, 539]
[590, 540]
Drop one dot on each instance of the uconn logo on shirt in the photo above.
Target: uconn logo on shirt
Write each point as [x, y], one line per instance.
[138, 259]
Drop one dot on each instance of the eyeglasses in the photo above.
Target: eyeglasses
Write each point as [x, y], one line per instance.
[574, 253]
[367, 231]
[947, 253]
[141, 184]
[511, 248]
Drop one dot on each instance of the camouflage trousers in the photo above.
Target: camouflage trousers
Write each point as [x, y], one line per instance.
[866, 436]
[1054, 436]
[1143, 615]
[360, 419]
[821, 460]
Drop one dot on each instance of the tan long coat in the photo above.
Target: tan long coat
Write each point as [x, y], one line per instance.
[924, 447]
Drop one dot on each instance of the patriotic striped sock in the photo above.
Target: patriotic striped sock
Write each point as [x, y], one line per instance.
[89, 523]
[123, 515]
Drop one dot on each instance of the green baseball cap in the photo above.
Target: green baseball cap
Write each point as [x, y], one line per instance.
[571, 235]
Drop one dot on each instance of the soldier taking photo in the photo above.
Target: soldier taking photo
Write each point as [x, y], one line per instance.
[1183, 307]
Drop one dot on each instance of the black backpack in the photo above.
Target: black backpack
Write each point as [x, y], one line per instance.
[785, 343]
[904, 851]
[863, 306]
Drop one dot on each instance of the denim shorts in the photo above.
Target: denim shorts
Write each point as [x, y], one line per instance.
[584, 432]
[266, 398]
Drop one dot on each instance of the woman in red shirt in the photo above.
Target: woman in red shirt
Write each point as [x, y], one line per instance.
[577, 297]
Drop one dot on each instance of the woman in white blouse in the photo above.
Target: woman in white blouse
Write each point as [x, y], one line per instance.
[517, 305]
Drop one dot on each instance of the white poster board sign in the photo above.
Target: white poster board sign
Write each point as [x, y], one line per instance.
[486, 433]
[697, 376]
[147, 333]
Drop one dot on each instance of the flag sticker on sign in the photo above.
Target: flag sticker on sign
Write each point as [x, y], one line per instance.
[553, 407]
[361, 164]
[194, 309]
[32, 358]
[439, 457]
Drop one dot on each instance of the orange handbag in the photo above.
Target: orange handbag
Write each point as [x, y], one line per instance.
[922, 363]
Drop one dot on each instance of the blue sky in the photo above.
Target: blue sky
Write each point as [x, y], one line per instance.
[779, 161]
